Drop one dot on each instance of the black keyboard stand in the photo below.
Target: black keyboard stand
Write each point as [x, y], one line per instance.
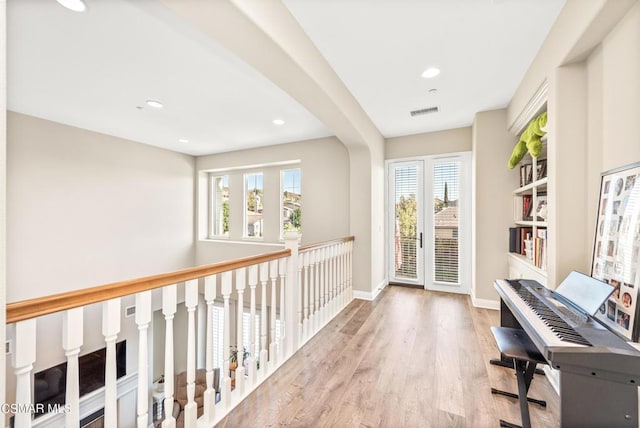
[505, 362]
[516, 345]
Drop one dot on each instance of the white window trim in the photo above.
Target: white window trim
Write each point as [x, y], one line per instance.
[282, 171]
[245, 236]
[211, 214]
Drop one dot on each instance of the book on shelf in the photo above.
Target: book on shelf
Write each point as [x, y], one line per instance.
[526, 174]
[517, 238]
[523, 209]
[522, 206]
[540, 249]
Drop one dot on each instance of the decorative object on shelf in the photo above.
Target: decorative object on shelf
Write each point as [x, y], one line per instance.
[541, 208]
[529, 140]
[160, 383]
[542, 169]
[616, 253]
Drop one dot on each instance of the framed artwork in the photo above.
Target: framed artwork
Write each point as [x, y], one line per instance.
[616, 251]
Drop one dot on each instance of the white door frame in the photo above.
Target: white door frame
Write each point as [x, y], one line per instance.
[465, 232]
[390, 221]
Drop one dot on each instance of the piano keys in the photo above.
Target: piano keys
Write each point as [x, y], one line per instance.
[599, 370]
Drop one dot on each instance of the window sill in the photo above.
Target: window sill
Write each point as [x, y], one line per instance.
[246, 241]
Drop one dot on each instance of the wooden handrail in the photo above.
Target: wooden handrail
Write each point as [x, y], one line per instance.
[33, 308]
[310, 247]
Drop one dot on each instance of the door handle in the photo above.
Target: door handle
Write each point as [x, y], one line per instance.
[420, 238]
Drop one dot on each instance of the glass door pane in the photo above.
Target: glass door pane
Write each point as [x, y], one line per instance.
[406, 197]
[446, 222]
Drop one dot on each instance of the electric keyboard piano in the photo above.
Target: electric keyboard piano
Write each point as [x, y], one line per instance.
[599, 370]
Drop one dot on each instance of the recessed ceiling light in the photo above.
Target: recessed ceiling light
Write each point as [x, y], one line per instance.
[74, 5]
[154, 104]
[183, 140]
[430, 72]
[278, 122]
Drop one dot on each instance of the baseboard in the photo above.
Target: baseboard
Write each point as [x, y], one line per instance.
[484, 303]
[362, 295]
[370, 296]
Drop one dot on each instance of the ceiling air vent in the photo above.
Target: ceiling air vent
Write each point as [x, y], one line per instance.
[424, 111]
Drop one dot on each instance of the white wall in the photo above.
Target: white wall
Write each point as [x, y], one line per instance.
[86, 209]
[3, 169]
[613, 75]
[432, 143]
[325, 195]
[493, 184]
[621, 92]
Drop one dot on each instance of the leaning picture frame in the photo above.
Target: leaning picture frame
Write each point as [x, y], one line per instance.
[616, 248]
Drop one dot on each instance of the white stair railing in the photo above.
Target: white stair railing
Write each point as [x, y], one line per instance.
[169, 307]
[110, 330]
[143, 319]
[72, 337]
[300, 288]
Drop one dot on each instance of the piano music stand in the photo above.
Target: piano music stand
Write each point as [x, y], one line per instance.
[516, 346]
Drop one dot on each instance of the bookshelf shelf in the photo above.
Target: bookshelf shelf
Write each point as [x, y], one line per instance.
[539, 184]
[531, 223]
[528, 235]
[520, 259]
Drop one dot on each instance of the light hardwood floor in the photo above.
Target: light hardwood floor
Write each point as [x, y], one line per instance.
[412, 358]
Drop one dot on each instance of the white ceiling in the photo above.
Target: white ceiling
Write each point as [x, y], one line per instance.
[93, 69]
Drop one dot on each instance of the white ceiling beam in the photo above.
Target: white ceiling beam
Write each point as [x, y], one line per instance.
[265, 35]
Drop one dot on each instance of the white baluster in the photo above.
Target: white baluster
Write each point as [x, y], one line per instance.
[330, 282]
[340, 278]
[273, 275]
[210, 393]
[143, 319]
[253, 281]
[323, 281]
[72, 334]
[24, 356]
[336, 290]
[292, 299]
[312, 285]
[240, 285]
[110, 330]
[350, 270]
[282, 271]
[264, 356]
[305, 298]
[169, 306]
[226, 344]
[299, 296]
[320, 288]
[191, 302]
[316, 306]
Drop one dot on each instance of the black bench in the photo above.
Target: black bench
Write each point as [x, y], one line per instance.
[515, 345]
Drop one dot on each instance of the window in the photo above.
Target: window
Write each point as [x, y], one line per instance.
[290, 201]
[253, 197]
[246, 339]
[220, 206]
[446, 189]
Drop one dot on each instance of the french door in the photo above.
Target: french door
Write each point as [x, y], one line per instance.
[429, 220]
[407, 220]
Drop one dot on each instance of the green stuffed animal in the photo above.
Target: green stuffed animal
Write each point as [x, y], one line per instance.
[529, 140]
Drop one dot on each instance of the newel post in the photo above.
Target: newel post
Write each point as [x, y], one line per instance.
[292, 295]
